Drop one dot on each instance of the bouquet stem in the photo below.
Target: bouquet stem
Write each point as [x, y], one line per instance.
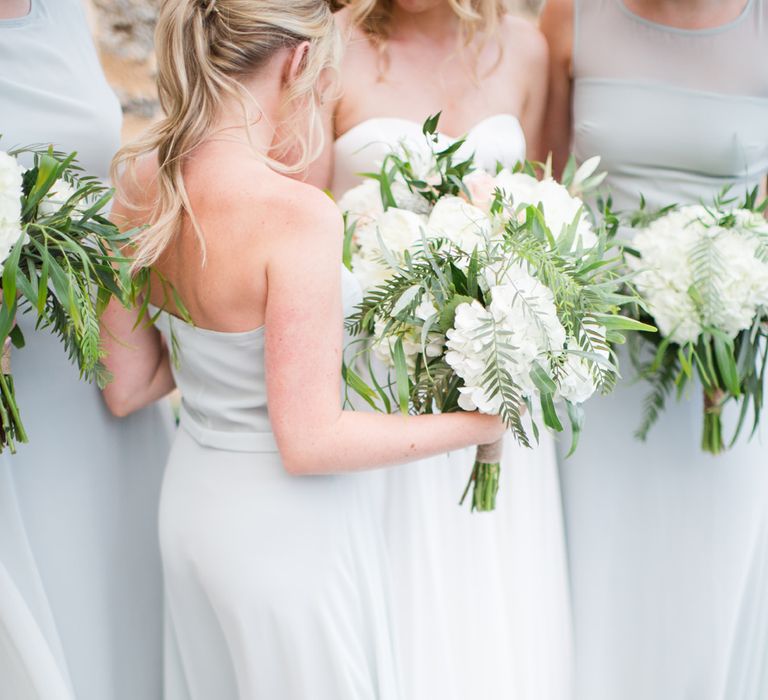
[485, 477]
[11, 427]
[712, 438]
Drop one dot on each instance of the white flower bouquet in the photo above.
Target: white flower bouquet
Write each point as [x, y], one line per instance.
[702, 272]
[60, 260]
[482, 292]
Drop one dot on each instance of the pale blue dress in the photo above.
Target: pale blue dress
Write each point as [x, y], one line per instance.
[277, 585]
[668, 546]
[80, 575]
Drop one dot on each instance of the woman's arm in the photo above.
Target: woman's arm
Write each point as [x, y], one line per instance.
[534, 108]
[138, 360]
[557, 25]
[304, 325]
[136, 357]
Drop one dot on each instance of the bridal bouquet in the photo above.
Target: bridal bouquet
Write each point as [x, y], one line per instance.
[482, 292]
[703, 274]
[60, 260]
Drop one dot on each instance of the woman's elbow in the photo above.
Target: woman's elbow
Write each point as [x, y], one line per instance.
[298, 462]
[120, 403]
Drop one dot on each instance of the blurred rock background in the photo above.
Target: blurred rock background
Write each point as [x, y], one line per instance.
[123, 31]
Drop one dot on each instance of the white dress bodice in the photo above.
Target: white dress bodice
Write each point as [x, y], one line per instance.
[495, 139]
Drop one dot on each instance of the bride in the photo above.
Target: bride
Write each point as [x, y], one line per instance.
[481, 601]
[276, 577]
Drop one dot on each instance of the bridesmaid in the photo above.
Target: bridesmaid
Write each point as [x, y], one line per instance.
[80, 578]
[275, 571]
[481, 601]
[668, 546]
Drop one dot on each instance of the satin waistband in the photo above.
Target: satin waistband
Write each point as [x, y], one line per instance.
[224, 440]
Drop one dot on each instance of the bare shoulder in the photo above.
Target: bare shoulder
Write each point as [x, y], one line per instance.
[248, 198]
[528, 43]
[306, 208]
[136, 190]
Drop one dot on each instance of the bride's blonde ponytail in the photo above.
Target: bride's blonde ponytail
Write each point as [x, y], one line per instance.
[204, 49]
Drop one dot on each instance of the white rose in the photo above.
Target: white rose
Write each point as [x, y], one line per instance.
[481, 186]
[518, 187]
[59, 194]
[362, 203]
[461, 223]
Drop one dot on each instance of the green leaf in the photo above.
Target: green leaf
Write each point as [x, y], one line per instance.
[10, 269]
[401, 376]
[726, 362]
[430, 125]
[356, 383]
[349, 232]
[541, 380]
[448, 312]
[551, 419]
[623, 323]
[7, 317]
[576, 417]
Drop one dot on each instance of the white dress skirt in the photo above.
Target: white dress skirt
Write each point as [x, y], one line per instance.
[481, 599]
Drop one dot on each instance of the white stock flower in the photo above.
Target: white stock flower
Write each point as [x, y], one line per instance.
[11, 174]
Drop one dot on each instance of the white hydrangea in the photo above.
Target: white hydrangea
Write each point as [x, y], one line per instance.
[560, 208]
[665, 276]
[576, 383]
[524, 311]
[11, 174]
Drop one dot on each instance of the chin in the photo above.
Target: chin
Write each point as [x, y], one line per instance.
[416, 6]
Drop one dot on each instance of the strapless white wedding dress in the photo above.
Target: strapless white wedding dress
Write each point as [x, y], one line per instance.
[481, 600]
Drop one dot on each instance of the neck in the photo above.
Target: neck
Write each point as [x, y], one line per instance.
[258, 124]
[437, 25]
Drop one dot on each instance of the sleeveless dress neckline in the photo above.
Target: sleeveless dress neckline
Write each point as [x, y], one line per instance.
[413, 122]
[708, 31]
[173, 318]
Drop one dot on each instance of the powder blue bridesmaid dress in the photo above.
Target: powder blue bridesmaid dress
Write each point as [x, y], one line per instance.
[668, 546]
[80, 575]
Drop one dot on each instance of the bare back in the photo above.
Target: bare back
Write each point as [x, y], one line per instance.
[245, 211]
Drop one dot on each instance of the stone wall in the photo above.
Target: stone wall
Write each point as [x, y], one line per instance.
[123, 30]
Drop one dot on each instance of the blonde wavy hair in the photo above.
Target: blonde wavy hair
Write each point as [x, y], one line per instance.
[205, 48]
[476, 17]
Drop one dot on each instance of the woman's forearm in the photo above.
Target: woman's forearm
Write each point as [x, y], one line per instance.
[359, 441]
